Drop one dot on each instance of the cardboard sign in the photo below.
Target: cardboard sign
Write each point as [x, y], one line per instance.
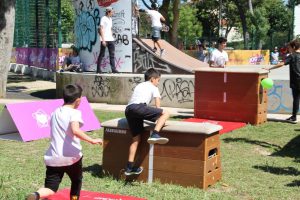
[31, 120]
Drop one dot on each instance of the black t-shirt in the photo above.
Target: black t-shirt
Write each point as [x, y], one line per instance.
[294, 61]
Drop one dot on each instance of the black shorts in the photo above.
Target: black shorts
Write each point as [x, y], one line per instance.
[136, 113]
[54, 176]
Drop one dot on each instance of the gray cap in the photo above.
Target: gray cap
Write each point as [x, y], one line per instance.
[109, 8]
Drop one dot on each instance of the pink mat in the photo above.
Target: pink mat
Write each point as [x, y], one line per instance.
[64, 194]
[227, 126]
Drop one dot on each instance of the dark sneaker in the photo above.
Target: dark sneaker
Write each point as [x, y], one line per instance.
[33, 196]
[133, 171]
[292, 119]
[157, 139]
[162, 52]
[115, 71]
[154, 49]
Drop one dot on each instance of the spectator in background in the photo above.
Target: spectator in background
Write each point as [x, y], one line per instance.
[202, 52]
[72, 63]
[219, 57]
[275, 57]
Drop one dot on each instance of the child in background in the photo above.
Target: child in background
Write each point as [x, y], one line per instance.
[156, 25]
[64, 154]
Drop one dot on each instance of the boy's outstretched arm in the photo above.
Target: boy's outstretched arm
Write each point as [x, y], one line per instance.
[275, 66]
[81, 135]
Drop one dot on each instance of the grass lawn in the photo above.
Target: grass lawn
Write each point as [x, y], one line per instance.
[258, 162]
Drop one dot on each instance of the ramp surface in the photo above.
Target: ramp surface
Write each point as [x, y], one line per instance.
[173, 61]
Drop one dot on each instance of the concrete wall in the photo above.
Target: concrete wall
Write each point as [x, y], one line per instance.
[36, 72]
[176, 91]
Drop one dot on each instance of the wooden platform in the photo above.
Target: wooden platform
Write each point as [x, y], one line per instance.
[191, 158]
[231, 94]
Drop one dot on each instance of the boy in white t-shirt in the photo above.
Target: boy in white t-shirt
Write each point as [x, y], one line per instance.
[138, 110]
[156, 25]
[219, 57]
[107, 40]
[64, 154]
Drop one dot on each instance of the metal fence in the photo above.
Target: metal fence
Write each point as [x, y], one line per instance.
[44, 23]
[41, 27]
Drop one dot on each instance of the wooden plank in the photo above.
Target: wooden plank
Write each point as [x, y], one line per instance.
[187, 180]
[197, 167]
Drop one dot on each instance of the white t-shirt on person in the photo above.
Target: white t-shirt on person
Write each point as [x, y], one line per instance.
[65, 147]
[106, 24]
[144, 93]
[155, 18]
[219, 58]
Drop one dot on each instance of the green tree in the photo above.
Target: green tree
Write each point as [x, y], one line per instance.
[67, 20]
[279, 19]
[208, 15]
[189, 27]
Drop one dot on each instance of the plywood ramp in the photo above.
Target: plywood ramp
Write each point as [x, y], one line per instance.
[178, 61]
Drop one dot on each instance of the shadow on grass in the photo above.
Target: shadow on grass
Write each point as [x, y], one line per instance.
[95, 170]
[295, 183]
[256, 142]
[285, 171]
[279, 170]
[45, 94]
[291, 149]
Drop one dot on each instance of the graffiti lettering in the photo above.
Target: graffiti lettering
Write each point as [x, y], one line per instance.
[121, 39]
[275, 98]
[135, 81]
[143, 60]
[85, 30]
[100, 87]
[180, 90]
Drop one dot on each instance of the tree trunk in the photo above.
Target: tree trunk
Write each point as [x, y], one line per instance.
[7, 21]
[175, 23]
[242, 14]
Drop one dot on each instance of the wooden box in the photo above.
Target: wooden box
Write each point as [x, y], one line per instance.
[231, 94]
[191, 158]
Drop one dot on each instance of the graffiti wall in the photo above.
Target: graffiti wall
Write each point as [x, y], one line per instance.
[86, 35]
[122, 20]
[143, 60]
[39, 57]
[175, 92]
[89, 13]
[280, 97]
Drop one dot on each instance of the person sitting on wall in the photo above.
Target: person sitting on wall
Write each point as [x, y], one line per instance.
[72, 63]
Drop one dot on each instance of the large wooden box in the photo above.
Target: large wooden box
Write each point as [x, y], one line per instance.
[231, 94]
[191, 158]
